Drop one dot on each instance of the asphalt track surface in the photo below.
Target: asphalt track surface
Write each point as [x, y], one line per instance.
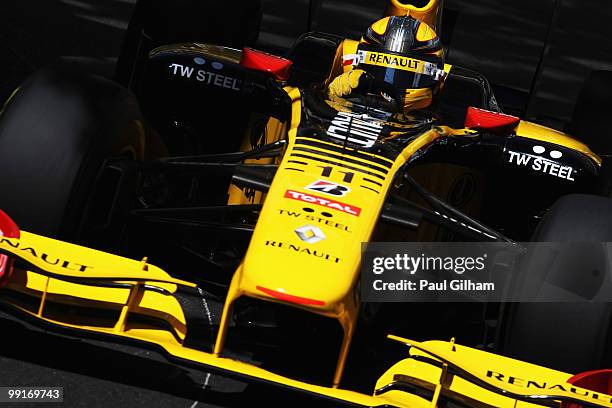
[88, 34]
[99, 374]
[94, 374]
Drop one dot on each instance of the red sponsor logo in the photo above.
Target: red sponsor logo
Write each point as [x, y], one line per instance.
[324, 202]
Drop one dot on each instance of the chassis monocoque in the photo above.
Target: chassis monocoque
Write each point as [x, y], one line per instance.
[275, 227]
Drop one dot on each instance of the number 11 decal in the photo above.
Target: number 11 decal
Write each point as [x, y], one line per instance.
[327, 171]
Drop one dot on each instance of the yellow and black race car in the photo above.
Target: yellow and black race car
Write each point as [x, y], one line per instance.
[256, 189]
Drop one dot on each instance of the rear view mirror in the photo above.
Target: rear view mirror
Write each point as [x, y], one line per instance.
[279, 67]
[494, 122]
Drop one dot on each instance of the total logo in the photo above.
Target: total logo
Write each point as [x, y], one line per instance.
[310, 234]
[324, 202]
[329, 188]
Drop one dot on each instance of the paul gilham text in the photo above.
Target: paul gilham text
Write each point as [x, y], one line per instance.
[459, 285]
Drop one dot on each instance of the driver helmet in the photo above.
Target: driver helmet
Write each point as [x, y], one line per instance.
[404, 55]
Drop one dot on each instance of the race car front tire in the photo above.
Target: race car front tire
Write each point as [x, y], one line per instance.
[568, 336]
[56, 133]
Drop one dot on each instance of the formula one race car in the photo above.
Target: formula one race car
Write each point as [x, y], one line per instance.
[256, 189]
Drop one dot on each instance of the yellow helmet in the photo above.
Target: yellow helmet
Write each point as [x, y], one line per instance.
[406, 55]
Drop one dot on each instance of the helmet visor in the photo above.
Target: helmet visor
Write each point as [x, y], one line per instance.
[401, 71]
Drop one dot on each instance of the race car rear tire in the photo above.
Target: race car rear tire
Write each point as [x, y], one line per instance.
[56, 133]
[161, 22]
[571, 337]
[589, 121]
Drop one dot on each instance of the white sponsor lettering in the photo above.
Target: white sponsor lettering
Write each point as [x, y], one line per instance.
[543, 165]
[336, 205]
[182, 70]
[355, 128]
[209, 78]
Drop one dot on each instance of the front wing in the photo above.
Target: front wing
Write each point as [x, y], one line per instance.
[136, 302]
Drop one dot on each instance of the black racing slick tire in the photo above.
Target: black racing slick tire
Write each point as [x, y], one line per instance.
[161, 22]
[56, 133]
[571, 337]
[589, 121]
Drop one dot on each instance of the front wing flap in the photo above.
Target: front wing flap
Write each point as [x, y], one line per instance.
[481, 379]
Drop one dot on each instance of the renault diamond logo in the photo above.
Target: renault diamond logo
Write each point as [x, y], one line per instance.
[310, 234]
